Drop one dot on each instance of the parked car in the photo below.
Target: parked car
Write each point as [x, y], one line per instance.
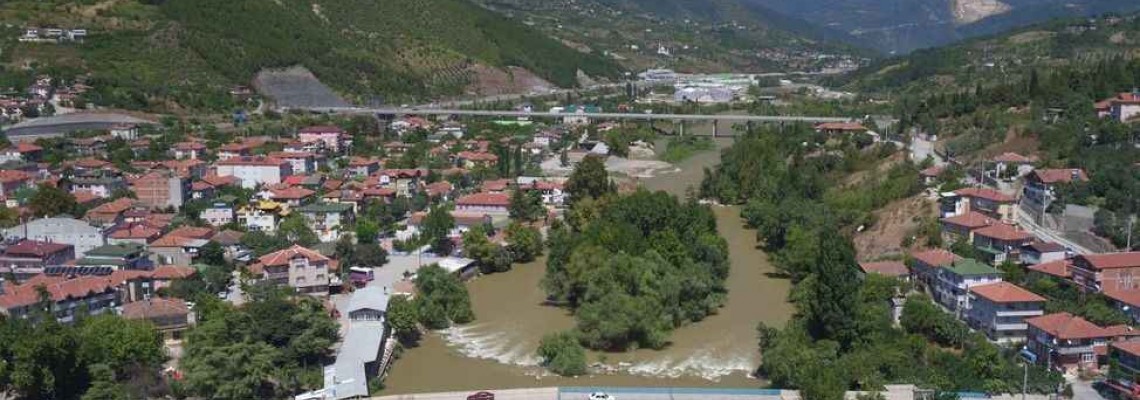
[482, 396]
[601, 396]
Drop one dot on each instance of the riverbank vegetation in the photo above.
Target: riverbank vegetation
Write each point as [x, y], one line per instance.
[442, 299]
[680, 148]
[631, 267]
[842, 336]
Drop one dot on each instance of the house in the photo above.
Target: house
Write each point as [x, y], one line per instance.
[138, 233]
[261, 216]
[171, 317]
[302, 162]
[177, 249]
[1066, 342]
[963, 226]
[1038, 252]
[218, 214]
[999, 310]
[484, 202]
[331, 137]
[1012, 164]
[292, 196]
[11, 181]
[298, 267]
[1040, 185]
[1125, 299]
[1062, 269]
[1122, 107]
[362, 352]
[327, 219]
[440, 190]
[989, 202]
[930, 175]
[926, 263]
[1094, 272]
[360, 166]
[953, 282]
[126, 132]
[1001, 242]
[27, 258]
[101, 182]
[235, 150]
[1124, 377]
[255, 171]
[77, 233]
[405, 181]
[111, 213]
[70, 296]
[891, 269]
[161, 189]
[189, 150]
[474, 159]
[576, 115]
[126, 256]
[840, 128]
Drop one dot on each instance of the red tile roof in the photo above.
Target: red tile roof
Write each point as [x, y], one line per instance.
[115, 207]
[477, 156]
[1050, 176]
[155, 308]
[971, 220]
[291, 193]
[259, 161]
[1065, 326]
[1005, 292]
[932, 172]
[35, 248]
[496, 185]
[171, 272]
[1112, 260]
[1013, 158]
[1059, 268]
[485, 199]
[137, 231]
[935, 257]
[438, 188]
[322, 129]
[986, 193]
[282, 257]
[1130, 347]
[841, 126]
[885, 268]
[194, 232]
[1004, 232]
[10, 176]
[1129, 296]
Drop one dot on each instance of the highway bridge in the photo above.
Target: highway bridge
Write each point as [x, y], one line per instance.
[605, 116]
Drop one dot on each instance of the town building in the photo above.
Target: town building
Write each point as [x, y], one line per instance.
[171, 317]
[298, 267]
[218, 214]
[1041, 185]
[100, 182]
[27, 258]
[327, 219]
[77, 233]
[1070, 343]
[1038, 252]
[70, 296]
[999, 310]
[261, 216]
[161, 189]
[1000, 242]
[926, 263]
[988, 202]
[953, 282]
[1124, 377]
[484, 202]
[1123, 107]
[1094, 272]
[330, 137]
[125, 256]
[110, 213]
[255, 171]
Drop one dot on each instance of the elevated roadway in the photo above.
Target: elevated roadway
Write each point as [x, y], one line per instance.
[605, 116]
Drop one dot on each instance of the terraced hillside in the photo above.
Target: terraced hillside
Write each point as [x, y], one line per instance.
[161, 54]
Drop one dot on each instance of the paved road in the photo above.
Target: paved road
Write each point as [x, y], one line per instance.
[1083, 390]
[63, 124]
[513, 394]
[628, 116]
[1026, 221]
[921, 148]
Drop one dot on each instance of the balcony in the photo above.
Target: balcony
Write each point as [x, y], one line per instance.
[1010, 327]
[1020, 313]
[1073, 350]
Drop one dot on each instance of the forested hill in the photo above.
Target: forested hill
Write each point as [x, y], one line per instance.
[696, 35]
[144, 52]
[1003, 58]
[905, 25]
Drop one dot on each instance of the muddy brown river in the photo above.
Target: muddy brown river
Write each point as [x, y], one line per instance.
[498, 349]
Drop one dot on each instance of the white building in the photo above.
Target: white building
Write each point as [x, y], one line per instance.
[254, 171]
[218, 214]
[61, 230]
[1000, 309]
[952, 282]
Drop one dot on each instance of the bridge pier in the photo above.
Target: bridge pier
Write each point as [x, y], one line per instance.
[716, 127]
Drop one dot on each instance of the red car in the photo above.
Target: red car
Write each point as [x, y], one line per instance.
[482, 396]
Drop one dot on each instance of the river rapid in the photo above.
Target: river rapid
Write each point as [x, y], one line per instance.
[497, 351]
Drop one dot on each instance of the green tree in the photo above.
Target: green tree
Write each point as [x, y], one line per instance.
[294, 229]
[526, 205]
[367, 231]
[442, 298]
[524, 242]
[212, 253]
[50, 201]
[8, 217]
[562, 354]
[478, 247]
[403, 319]
[369, 255]
[436, 226]
[589, 180]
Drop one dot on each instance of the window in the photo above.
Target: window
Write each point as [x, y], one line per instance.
[1088, 358]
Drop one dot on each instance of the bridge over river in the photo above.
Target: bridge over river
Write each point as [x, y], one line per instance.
[716, 119]
[892, 392]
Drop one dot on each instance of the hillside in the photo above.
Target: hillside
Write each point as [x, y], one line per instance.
[902, 26]
[688, 35]
[188, 53]
[1001, 58]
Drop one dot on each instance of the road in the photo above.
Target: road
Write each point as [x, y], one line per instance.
[1083, 390]
[1026, 221]
[921, 148]
[628, 116]
[60, 125]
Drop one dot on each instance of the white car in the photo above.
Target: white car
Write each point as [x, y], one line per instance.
[601, 396]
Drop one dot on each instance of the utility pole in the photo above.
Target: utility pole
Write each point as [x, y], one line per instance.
[1024, 379]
